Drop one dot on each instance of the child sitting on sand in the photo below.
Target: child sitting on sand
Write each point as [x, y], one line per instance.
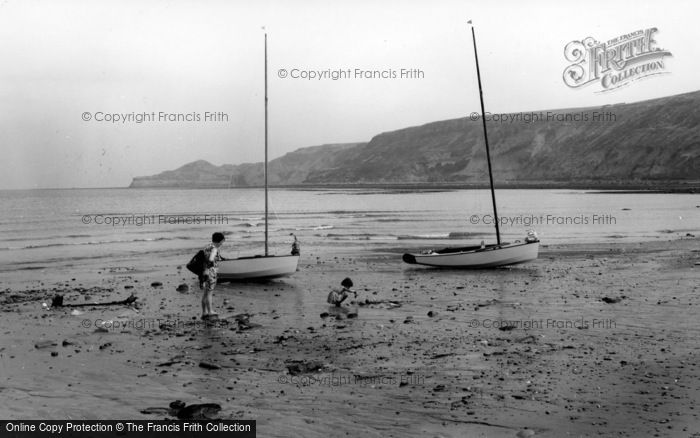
[338, 296]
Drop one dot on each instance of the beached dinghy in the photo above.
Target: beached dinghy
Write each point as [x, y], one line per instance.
[257, 267]
[260, 267]
[488, 256]
[482, 256]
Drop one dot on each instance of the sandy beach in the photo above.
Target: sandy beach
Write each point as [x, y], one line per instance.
[589, 340]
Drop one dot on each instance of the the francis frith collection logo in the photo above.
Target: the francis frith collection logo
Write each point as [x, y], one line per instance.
[616, 62]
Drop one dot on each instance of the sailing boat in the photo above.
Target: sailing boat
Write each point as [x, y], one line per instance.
[260, 267]
[481, 256]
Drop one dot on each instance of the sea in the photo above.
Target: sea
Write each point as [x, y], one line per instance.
[41, 227]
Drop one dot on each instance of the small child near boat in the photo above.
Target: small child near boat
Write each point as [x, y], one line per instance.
[337, 297]
[295, 246]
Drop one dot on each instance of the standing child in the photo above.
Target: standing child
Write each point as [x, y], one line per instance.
[207, 282]
[338, 296]
[296, 250]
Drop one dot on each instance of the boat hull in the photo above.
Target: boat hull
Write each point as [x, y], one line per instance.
[476, 257]
[257, 268]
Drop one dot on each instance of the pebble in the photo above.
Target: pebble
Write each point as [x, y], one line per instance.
[204, 411]
[45, 344]
[209, 366]
[296, 367]
[177, 404]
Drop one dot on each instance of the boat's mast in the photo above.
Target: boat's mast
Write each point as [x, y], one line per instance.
[266, 144]
[486, 140]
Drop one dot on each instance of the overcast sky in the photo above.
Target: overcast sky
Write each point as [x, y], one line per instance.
[61, 59]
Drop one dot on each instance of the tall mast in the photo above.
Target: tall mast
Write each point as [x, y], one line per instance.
[266, 144]
[486, 139]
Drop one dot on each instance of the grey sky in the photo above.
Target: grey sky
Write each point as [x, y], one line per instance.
[63, 58]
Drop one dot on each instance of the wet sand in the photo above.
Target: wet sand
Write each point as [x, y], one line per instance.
[589, 340]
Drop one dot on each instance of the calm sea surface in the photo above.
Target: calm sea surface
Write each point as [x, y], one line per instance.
[39, 227]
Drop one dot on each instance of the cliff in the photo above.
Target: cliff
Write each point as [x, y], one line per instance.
[637, 143]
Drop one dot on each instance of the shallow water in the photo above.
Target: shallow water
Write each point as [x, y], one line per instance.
[40, 227]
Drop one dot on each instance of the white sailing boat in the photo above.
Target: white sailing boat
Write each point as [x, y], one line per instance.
[259, 267]
[481, 256]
